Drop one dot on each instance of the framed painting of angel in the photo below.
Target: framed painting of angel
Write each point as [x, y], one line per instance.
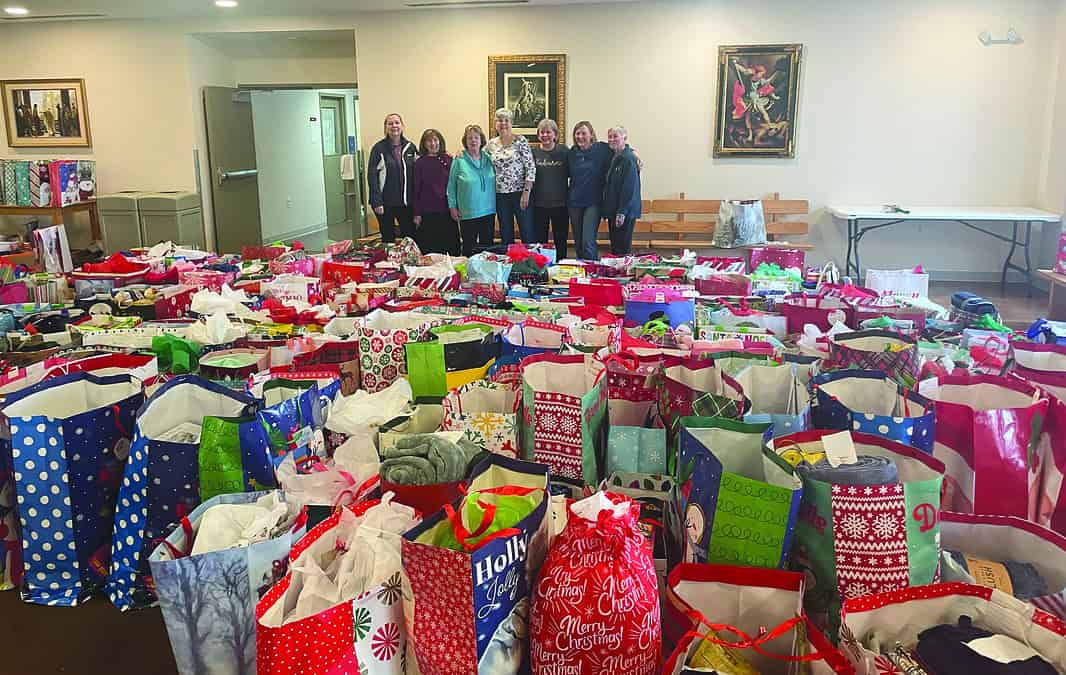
[758, 88]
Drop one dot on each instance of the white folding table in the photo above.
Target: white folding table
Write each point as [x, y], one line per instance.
[964, 215]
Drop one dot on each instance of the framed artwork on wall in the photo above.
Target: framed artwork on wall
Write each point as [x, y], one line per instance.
[532, 87]
[46, 113]
[758, 88]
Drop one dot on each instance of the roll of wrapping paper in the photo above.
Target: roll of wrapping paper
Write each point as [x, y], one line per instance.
[868, 470]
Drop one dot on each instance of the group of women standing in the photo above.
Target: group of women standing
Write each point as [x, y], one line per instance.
[451, 204]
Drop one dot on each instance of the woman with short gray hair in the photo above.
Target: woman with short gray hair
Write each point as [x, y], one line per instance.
[621, 193]
[512, 158]
[549, 190]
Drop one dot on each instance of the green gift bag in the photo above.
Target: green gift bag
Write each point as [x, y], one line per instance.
[739, 500]
[234, 456]
[455, 354]
[855, 539]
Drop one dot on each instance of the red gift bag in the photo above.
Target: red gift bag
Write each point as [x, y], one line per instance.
[724, 284]
[339, 272]
[782, 257]
[596, 604]
[603, 292]
[987, 435]
[1044, 365]
[819, 310]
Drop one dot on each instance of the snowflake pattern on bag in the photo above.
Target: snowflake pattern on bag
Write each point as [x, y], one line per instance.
[557, 433]
[870, 539]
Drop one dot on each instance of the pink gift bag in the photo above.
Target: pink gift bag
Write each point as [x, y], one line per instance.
[782, 257]
[1060, 255]
[724, 284]
[819, 310]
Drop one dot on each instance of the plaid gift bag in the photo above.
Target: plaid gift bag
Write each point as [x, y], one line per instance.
[382, 336]
[487, 414]
[341, 357]
[891, 353]
[65, 440]
[697, 386]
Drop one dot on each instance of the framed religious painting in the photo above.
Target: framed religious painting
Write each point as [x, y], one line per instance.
[532, 87]
[46, 113]
[758, 88]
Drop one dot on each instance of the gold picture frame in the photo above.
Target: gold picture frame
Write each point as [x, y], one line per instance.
[532, 87]
[758, 92]
[46, 113]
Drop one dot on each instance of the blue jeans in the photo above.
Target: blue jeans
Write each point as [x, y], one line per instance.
[508, 210]
[585, 220]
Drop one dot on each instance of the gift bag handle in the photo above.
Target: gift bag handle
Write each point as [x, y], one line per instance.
[757, 642]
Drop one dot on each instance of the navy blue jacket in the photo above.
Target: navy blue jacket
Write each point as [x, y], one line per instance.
[621, 194]
[588, 168]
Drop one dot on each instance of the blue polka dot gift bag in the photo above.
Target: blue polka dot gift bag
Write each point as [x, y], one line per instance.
[169, 460]
[67, 439]
[870, 402]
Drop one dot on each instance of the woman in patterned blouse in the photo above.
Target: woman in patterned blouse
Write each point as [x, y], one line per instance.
[515, 172]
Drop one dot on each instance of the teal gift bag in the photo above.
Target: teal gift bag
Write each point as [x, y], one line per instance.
[636, 450]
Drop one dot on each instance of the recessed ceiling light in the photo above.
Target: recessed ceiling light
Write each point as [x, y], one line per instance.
[228, 4]
[16, 11]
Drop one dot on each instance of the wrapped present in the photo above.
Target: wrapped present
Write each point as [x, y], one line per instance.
[723, 283]
[1009, 554]
[183, 435]
[596, 606]
[226, 555]
[988, 470]
[340, 607]
[870, 402]
[211, 279]
[487, 414]
[739, 502]
[742, 620]
[457, 577]
[1022, 633]
[868, 522]
[69, 437]
[564, 406]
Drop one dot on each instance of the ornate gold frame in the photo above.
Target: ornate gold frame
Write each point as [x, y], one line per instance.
[84, 141]
[560, 89]
[795, 54]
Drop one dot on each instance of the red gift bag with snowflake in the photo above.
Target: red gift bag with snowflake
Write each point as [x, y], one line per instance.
[339, 610]
[596, 605]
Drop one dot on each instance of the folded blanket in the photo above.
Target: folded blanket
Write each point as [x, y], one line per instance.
[426, 459]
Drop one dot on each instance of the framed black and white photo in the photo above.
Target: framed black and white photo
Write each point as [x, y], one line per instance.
[46, 113]
[532, 87]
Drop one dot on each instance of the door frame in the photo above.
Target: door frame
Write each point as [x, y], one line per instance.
[342, 106]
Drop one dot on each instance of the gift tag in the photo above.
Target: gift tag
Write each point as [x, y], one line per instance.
[839, 448]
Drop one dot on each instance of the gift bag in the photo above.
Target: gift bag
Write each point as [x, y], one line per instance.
[423, 418]
[668, 305]
[654, 493]
[478, 596]
[340, 358]
[723, 283]
[635, 450]
[1009, 554]
[907, 283]
[161, 481]
[739, 502]
[382, 336]
[778, 395]
[487, 414]
[785, 258]
[452, 356]
[66, 441]
[564, 409]
[1044, 365]
[891, 353]
[743, 317]
[901, 616]
[210, 572]
[488, 268]
[529, 338]
[865, 526]
[684, 381]
[740, 223]
[742, 620]
[340, 607]
[596, 606]
[820, 311]
[870, 402]
[632, 387]
[294, 418]
[603, 292]
[988, 434]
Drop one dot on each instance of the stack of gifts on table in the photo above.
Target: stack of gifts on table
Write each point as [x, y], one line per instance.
[370, 460]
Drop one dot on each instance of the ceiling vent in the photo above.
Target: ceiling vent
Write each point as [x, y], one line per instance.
[465, 3]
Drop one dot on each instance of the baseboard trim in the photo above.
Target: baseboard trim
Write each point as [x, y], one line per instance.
[289, 237]
[983, 277]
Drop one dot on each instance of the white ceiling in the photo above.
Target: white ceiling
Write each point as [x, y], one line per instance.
[126, 9]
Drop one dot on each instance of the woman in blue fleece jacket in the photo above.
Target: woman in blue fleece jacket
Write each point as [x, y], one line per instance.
[621, 194]
[472, 191]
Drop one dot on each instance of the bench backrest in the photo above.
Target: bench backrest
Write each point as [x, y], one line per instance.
[680, 218]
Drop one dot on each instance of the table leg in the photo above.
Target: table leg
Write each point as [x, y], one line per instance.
[847, 257]
[1010, 257]
[94, 222]
[1028, 262]
[855, 247]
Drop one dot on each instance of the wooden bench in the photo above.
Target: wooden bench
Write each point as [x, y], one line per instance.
[689, 223]
[1056, 304]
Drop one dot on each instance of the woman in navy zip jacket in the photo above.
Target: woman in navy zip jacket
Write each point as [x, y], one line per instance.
[588, 161]
[390, 177]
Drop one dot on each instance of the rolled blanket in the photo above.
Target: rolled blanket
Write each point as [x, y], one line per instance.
[869, 470]
[426, 459]
[1023, 579]
[409, 470]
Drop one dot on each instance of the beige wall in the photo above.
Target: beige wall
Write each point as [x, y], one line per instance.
[898, 100]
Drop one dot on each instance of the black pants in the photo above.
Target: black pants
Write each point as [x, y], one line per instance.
[559, 217]
[438, 233]
[477, 233]
[396, 214]
[621, 237]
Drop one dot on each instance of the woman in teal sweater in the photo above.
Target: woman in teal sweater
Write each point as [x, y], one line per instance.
[472, 192]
